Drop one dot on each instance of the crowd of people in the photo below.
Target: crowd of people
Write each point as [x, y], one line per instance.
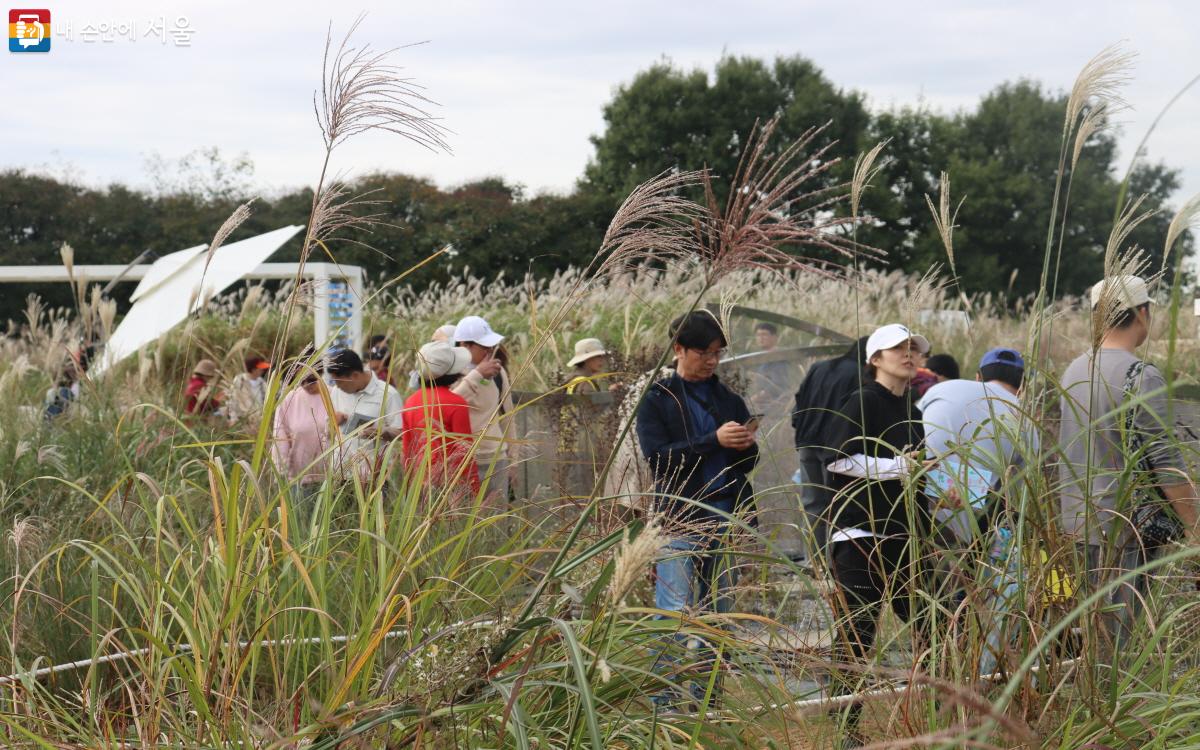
[340, 414]
[892, 464]
[896, 453]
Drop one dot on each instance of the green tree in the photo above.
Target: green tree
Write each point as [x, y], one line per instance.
[667, 118]
[1002, 159]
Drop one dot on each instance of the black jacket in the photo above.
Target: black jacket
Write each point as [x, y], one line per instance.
[824, 390]
[676, 451]
[877, 423]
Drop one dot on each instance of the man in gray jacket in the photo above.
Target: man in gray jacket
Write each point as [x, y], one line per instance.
[1115, 411]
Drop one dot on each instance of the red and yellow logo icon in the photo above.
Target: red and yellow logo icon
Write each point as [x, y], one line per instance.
[29, 30]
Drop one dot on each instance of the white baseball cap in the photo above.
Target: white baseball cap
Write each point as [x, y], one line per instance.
[439, 358]
[585, 349]
[891, 335]
[475, 328]
[1126, 292]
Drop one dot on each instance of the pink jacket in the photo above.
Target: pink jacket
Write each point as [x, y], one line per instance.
[301, 435]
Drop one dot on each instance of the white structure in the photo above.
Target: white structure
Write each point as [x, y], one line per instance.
[181, 283]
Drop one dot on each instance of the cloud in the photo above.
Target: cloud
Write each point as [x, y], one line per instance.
[522, 84]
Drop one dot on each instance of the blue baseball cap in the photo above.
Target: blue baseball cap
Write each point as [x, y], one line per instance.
[1002, 356]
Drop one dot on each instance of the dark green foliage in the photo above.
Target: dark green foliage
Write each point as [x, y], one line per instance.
[1002, 158]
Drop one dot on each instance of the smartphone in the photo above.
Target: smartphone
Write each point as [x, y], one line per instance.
[753, 422]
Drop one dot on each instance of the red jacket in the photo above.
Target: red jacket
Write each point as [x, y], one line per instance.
[194, 404]
[436, 426]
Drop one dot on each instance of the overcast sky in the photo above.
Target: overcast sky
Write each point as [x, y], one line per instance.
[522, 83]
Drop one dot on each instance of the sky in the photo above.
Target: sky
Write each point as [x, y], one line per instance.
[522, 84]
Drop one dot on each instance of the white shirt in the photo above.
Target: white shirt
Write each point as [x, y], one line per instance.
[980, 424]
[377, 404]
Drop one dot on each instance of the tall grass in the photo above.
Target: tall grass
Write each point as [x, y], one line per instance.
[217, 608]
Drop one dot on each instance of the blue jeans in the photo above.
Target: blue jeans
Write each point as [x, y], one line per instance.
[693, 571]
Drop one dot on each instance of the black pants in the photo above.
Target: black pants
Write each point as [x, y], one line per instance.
[873, 572]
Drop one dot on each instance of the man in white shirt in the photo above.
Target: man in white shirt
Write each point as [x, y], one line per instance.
[973, 428]
[975, 422]
[367, 409]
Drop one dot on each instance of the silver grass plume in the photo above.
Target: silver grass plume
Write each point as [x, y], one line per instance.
[362, 91]
[632, 558]
[1100, 80]
[1128, 221]
[943, 218]
[1187, 218]
[865, 170]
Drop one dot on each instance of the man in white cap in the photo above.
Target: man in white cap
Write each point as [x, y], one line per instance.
[488, 391]
[590, 360]
[1115, 411]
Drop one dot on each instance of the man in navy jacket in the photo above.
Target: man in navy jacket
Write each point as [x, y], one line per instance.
[699, 440]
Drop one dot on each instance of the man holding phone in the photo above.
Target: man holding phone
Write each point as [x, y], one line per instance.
[699, 438]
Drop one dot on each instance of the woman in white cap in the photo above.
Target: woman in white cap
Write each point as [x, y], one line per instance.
[590, 360]
[436, 431]
[488, 391]
[876, 513]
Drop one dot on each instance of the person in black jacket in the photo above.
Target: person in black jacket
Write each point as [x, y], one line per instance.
[826, 387]
[877, 512]
[700, 442]
[693, 431]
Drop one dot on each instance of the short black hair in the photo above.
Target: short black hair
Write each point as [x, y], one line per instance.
[697, 330]
[442, 381]
[770, 328]
[1125, 318]
[944, 365]
[1008, 374]
[376, 340]
[252, 363]
[344, 362]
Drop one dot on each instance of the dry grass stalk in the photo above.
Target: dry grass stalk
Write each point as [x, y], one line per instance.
[865, 170]
[336, 211]
[771, 207]
[361, 91]
[1187, 218]
[632, 558]
[1094, 120]
[654, 221]
[1132, 262]
[1124, 226]
[239, 215]
[944, 219]
[1100, 83]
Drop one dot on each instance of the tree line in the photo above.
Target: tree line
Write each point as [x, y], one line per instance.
[1002, 156]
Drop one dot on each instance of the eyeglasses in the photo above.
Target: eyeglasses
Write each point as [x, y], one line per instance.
[709, 355]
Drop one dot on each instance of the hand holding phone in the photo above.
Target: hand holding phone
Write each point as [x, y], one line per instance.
[753, 422]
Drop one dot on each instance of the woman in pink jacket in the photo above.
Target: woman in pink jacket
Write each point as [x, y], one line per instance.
[301, 435]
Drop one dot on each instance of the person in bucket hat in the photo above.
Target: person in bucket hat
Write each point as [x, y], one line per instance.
[590, 360]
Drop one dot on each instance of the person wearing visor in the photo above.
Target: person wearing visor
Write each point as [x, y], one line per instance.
[488, 393]
[877, 436]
